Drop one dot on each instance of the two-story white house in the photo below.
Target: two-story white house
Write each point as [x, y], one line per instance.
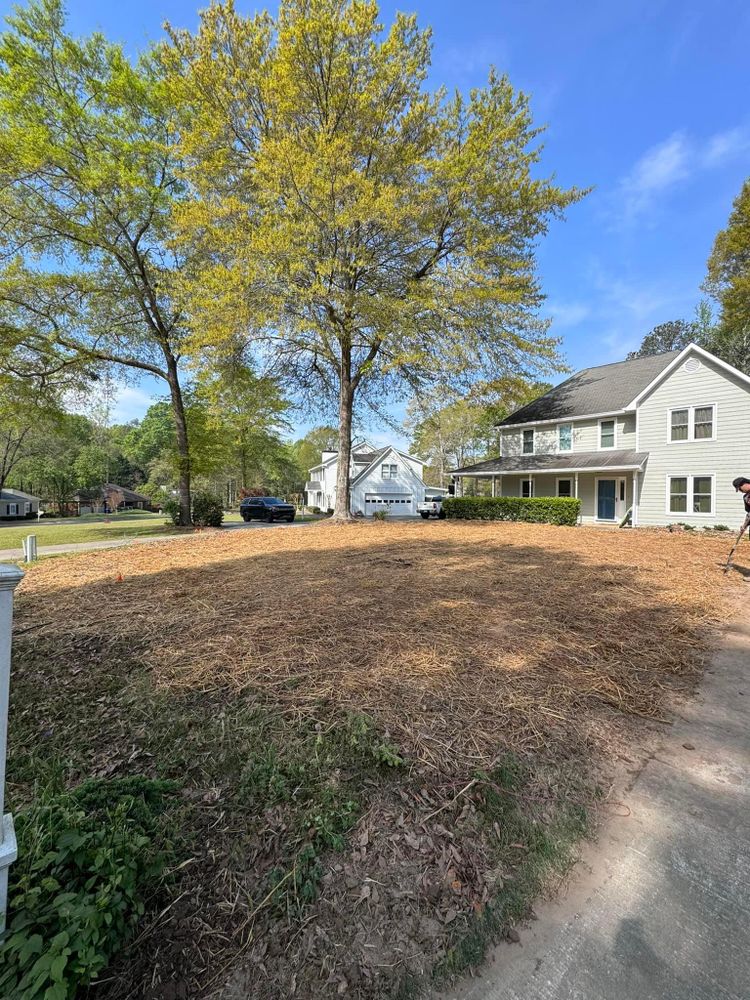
[380, 479]
[659, 438]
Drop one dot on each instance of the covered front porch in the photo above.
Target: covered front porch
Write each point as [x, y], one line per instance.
[607, 483]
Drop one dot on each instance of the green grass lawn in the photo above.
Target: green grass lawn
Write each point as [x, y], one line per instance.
[88, 528]
[95, 528]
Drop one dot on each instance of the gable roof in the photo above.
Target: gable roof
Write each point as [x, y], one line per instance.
[372, 459]
[375, 456]
[601, 389]
[365, 458]
[690, 349]
[7, 493]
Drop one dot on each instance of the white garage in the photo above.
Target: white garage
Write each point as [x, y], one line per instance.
[398, 504]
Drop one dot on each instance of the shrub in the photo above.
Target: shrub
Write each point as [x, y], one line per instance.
[86, 861]
[208, 510]
[548, 510]
[171, 508]
[379, 515]
[314, 510]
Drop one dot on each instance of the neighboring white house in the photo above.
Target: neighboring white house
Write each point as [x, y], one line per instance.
[14, 503]
[661, 437]
[380, 479]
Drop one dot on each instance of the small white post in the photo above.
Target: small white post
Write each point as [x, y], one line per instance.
[10, 577]
[29, 548]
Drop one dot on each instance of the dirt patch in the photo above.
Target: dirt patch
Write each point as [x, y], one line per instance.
[248, 665]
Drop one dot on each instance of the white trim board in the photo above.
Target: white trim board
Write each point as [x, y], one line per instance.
[691, 408]
[599, 445]
[690, 476]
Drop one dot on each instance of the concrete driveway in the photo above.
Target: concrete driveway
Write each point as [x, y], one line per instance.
[660, 909]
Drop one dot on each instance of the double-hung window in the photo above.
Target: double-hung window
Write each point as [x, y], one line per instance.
[679, 425]
[13, 509]
[703, 422]
[606, 434]
[528, 442]
[565, 437]
[527, 488]
[690, 495]
[692, 423]
[565, 487]
[388, 471]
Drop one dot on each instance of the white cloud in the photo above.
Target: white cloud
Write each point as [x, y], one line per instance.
[628, 309]
[129, 402]
[668, 164]
[132, 403]
[564, 314]
[726, 146]
[659, 168]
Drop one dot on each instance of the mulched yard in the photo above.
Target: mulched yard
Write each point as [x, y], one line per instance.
[388, 735]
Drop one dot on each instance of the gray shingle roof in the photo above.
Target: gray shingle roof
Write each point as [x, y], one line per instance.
[583, 460]
[603, 389]
[367, 457]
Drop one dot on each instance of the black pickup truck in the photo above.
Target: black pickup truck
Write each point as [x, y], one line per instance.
[267, 509]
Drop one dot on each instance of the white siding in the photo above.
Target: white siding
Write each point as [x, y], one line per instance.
[725, 457]
[407, 483]
[585, 436]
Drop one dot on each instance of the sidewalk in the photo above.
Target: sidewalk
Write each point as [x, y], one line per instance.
[660, 908]
[50, 550]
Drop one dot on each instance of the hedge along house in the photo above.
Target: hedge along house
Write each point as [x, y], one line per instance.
[650, 442]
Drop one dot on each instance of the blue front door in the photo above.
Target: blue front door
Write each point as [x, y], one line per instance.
[605, 504]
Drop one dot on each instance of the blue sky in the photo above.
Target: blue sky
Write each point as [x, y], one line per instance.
[646, 101]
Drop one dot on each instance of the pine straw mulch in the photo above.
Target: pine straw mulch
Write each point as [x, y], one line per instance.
[463, 641]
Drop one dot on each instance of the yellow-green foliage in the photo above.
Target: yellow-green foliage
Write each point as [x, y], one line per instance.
[370, 232]
[729, 267]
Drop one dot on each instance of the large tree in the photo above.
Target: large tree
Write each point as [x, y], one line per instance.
[670, 336]
[362, 234]
[87, 188]
[729, 282]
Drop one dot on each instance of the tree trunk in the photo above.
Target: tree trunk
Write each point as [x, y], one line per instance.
[342, 509]
[183, 451]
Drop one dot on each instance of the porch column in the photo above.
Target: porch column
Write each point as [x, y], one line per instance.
[494, 492]
[634, 514]
[575, 494]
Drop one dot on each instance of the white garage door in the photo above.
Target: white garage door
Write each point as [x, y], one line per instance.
[398, 504]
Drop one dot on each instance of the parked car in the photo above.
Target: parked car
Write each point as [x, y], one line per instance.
[267, 509]
[432, 507]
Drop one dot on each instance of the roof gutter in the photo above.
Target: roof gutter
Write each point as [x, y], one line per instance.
[568, 419]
